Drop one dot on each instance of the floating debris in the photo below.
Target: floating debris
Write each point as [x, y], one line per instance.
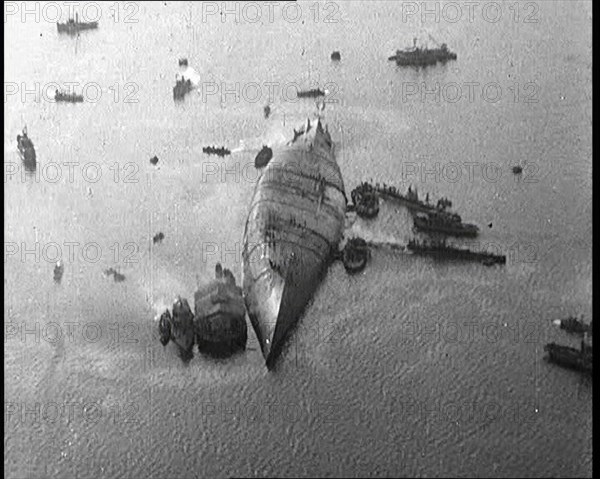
[154, 160]
[517, 169]
[335, 56]
[267, 111]
[183, 62]
[118, 277]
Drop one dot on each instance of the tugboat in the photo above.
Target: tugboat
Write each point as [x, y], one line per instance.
[574, 325]
[26, 149]
[263, 157]
[421, 57]
[440, 250]
[73, 26]
[313, 93]
[182, 87]
[443, 223]
[178, 328]
[67, 97]
[355, 255]
[366, 202]
[573, 358]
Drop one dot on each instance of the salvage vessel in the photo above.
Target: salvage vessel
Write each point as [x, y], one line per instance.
[73, 26]
[292, 233]
[422, 56]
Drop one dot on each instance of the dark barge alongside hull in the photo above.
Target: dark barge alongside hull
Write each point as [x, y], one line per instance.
[294, 227]
[441, 251]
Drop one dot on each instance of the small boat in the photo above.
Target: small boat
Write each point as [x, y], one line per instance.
[67, 97]
[443, 223]
[182, 87]
[421, 57]
[313, 93]
[26, 149]
[158, 237]
[73, 26]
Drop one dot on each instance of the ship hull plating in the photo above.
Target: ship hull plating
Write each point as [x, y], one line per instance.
[295, 223]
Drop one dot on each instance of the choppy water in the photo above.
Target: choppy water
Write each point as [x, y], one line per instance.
[412, 368]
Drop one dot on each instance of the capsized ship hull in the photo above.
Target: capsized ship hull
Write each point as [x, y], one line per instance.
[295, 223]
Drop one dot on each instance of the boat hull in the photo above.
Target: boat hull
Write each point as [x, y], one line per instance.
[294, 226]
